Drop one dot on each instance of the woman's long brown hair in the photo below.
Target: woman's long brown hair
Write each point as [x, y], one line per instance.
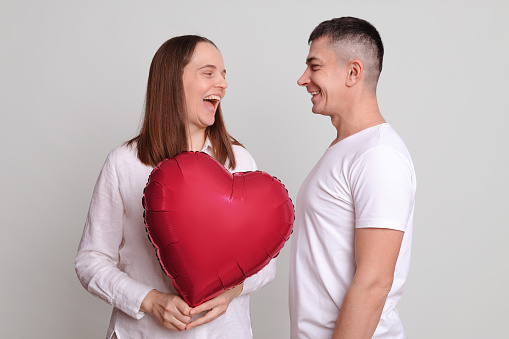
[164, 133]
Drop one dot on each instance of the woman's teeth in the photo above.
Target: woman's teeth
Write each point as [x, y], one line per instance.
[212, 97]
[314, 93]
[212, 101]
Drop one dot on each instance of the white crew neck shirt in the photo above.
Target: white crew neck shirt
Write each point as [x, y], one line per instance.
[117, 262]
[366, 180]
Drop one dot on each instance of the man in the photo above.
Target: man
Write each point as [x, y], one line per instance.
[350, 249]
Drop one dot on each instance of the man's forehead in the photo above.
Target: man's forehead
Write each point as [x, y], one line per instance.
[319, 50]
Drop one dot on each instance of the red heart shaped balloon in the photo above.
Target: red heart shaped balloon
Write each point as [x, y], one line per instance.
[213, 229]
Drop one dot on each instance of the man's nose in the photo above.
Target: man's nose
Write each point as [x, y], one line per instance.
[304, 79]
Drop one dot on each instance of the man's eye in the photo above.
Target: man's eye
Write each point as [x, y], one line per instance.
[314, 67]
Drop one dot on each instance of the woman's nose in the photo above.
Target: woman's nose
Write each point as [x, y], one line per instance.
[222, 83]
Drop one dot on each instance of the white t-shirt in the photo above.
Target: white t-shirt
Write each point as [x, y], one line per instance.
[366, 180]
[117, 262]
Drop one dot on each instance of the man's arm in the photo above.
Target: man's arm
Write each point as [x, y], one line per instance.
[376, 253]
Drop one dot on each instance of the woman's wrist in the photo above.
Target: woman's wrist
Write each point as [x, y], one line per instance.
[240, 289]
[146, 304]
[236, 291]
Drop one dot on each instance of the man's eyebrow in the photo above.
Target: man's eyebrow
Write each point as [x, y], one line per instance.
[213, 67]
[310, 59]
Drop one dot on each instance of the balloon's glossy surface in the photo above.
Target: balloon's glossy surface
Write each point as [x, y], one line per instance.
[213, 229]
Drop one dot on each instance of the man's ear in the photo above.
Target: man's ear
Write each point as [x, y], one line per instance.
[355, 72]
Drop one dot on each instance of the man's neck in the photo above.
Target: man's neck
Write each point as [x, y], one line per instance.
[363, 114]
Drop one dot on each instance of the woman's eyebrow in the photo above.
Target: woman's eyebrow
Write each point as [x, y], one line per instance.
[213, 67]
[208, 66]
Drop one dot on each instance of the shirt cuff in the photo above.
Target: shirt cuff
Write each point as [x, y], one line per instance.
[129, 296]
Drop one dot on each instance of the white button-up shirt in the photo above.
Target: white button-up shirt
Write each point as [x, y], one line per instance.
[117, 262]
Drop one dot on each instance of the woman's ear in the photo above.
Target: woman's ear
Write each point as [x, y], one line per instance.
[355, 72]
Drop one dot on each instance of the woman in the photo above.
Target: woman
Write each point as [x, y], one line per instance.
[116, 261]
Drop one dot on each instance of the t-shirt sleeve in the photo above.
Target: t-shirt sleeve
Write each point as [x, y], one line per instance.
[383, 189]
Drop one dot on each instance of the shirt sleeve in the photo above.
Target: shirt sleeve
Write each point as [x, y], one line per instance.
[98, 252]
[383, 189]
[245, 162]
[260, 279]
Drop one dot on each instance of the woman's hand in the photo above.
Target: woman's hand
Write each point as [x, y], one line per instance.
[215, 307]
[170, 309]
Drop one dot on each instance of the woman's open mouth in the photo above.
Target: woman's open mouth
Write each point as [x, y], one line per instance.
[212, 101]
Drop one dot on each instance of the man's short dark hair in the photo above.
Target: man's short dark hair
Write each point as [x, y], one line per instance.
[357, 34]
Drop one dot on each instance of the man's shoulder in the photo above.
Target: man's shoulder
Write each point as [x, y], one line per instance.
[380, 139]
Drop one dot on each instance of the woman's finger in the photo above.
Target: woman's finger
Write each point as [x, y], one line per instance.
[176, 307]
[215, 307]
[183, 307]
[170, 326]
[206, 306]
[171, 322]
[208, 317]
[183, 319]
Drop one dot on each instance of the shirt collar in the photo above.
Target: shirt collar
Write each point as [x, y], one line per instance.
[206, 145]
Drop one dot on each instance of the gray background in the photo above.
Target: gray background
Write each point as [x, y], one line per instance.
[73, 77]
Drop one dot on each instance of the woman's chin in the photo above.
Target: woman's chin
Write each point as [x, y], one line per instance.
[207, 122]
